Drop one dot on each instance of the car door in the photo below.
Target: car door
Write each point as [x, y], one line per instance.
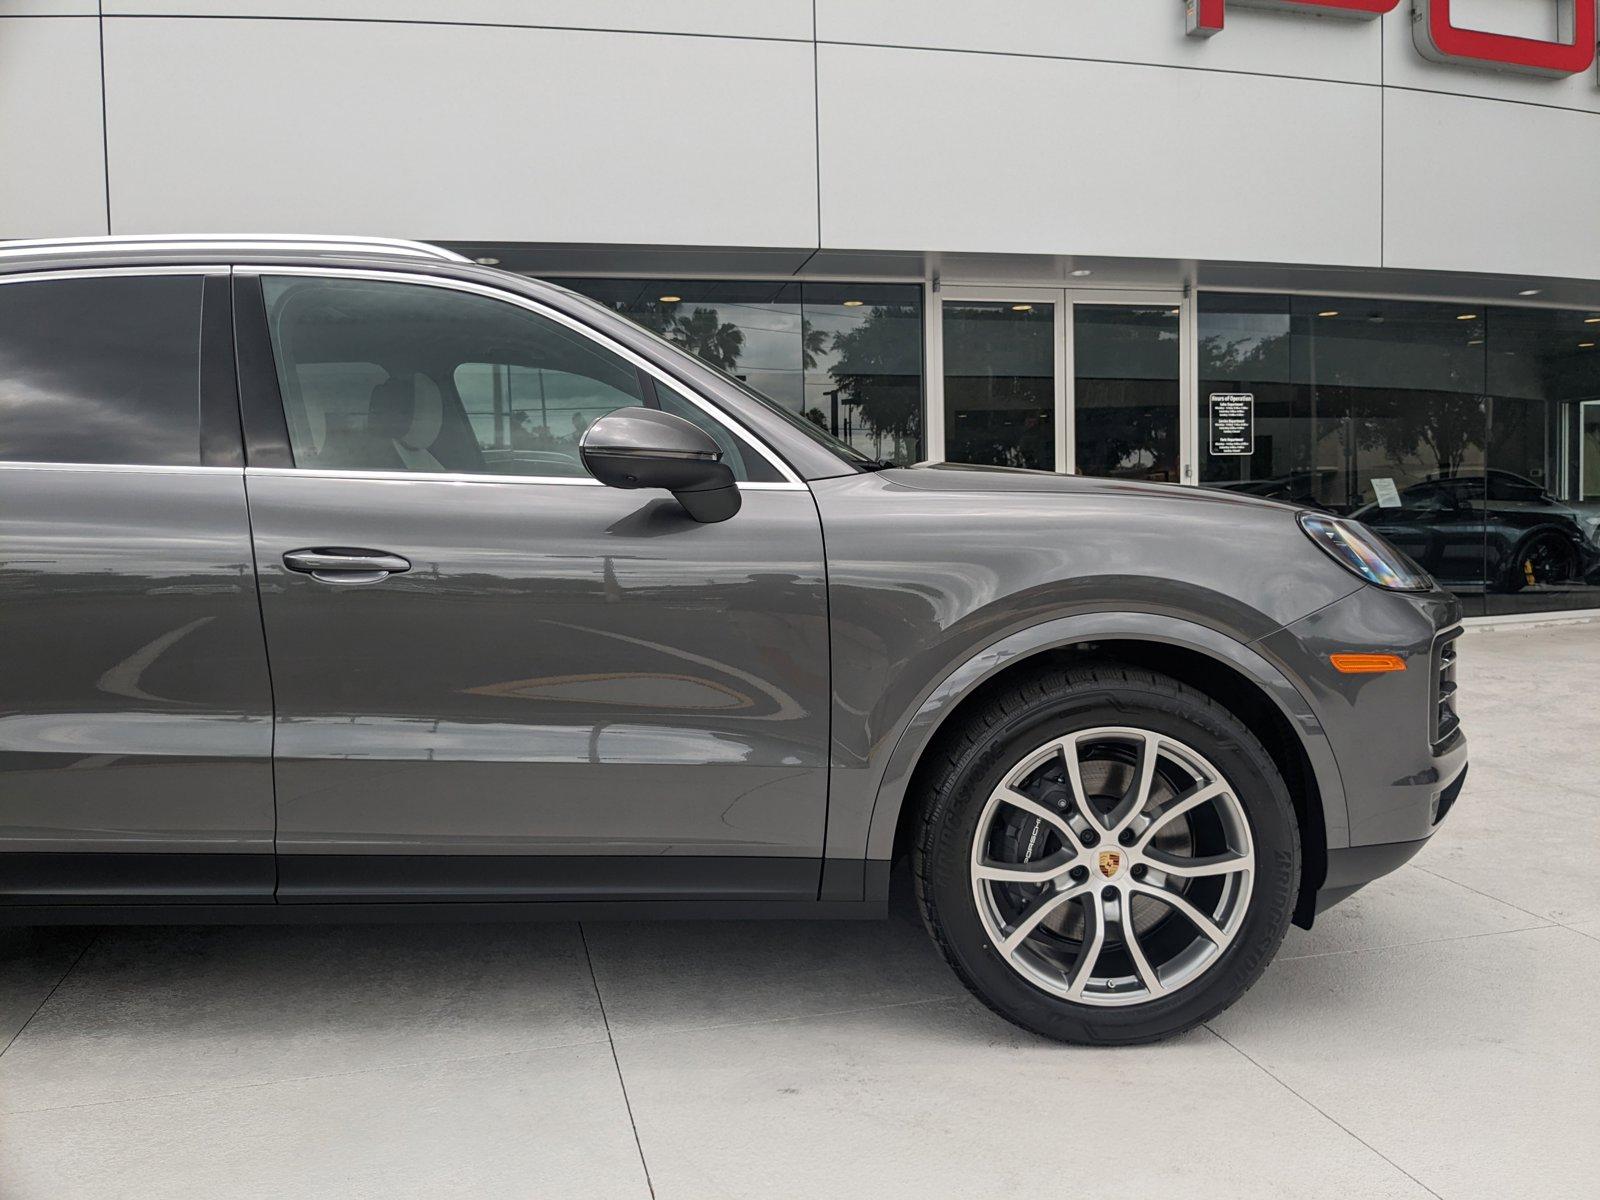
[494, 677]
[135, 711]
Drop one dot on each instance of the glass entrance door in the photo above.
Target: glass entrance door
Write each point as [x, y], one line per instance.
[1063, 379]
[1125, 393]
[1002, 377]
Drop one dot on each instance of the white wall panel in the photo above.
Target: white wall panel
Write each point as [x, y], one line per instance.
[1482, 185]
[1135, 31]
[52, 163]
[956, 152]
[459, 132]
[745, 18]
[48, 8]
[1404, 66]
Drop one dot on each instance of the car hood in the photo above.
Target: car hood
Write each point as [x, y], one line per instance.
[961, 478]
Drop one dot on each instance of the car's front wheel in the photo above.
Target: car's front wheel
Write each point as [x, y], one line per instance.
[1106, 855]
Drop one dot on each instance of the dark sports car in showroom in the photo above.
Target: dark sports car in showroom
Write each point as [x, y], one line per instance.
[1496, 530]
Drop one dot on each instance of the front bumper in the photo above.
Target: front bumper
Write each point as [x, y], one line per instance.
[1351, 868]
[1402, 758]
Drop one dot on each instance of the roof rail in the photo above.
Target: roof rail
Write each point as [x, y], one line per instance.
[231, 241]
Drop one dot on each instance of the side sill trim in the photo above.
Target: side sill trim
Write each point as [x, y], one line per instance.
[464, 878]
[469, 912]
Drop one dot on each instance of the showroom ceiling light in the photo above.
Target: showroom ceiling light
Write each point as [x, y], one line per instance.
[669, 299]
[487, 261]
[1594, 320]
[1022, 308]
[854, 303]
[1585, 345]
[1466, 316]
[1081, 272]
[1329, 312]
[1528, 292]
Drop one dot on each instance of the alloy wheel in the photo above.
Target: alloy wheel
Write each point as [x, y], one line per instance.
[1112, 866]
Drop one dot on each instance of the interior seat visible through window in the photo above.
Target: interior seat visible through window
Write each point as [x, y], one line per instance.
[381, 376]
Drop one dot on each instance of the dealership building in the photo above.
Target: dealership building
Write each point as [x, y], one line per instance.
[1343, 253]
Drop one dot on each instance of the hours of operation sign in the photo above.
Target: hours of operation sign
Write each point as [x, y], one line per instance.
[1233, 423]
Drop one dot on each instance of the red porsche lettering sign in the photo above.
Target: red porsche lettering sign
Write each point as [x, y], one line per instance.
[1441, 39]
[1205, 16]
[1437, 35]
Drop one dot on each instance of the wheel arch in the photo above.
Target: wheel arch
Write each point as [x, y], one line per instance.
[1228, 671]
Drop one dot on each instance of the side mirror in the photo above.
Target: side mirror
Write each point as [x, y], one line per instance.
[645, 448]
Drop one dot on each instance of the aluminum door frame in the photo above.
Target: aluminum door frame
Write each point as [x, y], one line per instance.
[1188, 401]
[1064, 299]
[1000, 294]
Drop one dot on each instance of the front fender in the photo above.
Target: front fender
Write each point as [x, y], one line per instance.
[1086, 627]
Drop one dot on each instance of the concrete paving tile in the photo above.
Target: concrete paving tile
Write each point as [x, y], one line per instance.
[663, 977]
[1512, 686]
[32, 963]
[1474, 1065]
[1588, 929]
[1530, 762]
[1402, 909]
[153, 1011]
[547, 1123]
[945, 1099]
[1531, 848]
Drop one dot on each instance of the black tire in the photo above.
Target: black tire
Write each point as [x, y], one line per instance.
[1548, 555]
[972, 760]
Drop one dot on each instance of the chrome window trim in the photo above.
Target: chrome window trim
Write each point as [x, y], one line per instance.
[533, 306]
[321, 473]
[122, 468]
[464, 477]
[50, 273]
[313, 242]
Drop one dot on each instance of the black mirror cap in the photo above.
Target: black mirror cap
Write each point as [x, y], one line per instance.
[645, 448]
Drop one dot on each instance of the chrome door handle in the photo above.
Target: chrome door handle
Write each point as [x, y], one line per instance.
[346, 566]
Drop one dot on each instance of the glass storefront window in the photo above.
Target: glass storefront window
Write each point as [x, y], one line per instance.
[1542, 525]
[1589, 450]
[846, 356]
[1455, 430]
[999, 383]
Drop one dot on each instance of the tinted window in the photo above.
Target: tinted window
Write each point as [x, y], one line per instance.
[101, 370]
[399, 377]
[396, 377]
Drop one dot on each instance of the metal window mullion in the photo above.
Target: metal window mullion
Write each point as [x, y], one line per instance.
[1188, 390]
[933, 372]
[1065, 390]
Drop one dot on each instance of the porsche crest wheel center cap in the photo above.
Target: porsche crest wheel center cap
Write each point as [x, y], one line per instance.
[1110, 863]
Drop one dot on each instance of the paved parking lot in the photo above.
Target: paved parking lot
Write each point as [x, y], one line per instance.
[1436, 1036]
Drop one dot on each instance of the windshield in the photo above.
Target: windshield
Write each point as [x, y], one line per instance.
[837, 446]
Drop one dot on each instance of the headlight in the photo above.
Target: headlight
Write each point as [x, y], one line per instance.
[1360, 551]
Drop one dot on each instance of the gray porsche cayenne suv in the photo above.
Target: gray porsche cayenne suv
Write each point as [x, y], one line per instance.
[343, 579]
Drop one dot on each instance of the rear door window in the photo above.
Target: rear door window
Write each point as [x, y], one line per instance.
[101, 370]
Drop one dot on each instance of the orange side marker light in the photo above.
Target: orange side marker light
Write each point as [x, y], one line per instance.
[1366, 664]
